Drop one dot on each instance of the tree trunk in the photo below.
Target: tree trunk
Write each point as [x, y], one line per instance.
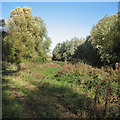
[19, 67]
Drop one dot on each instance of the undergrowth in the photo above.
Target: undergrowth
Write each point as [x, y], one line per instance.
[84, 91]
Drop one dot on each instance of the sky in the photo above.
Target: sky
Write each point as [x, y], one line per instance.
[65, 20]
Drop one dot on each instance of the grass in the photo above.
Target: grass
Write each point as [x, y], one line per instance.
[11, 107]
[58, 90]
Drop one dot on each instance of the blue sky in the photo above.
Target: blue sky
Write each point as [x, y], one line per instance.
[65, 20]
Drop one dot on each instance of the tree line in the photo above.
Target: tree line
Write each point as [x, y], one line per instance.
[24, 37]
[102, 47]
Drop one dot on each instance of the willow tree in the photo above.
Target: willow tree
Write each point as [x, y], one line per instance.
[26, 36]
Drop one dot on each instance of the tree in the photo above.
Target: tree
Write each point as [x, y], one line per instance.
[105, 38]
[87, 53]
[3, 34]
[27, 36]
[64, 51]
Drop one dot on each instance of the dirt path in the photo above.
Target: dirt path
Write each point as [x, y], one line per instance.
[29, 112]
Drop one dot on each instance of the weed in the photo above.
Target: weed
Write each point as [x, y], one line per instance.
[51, 89]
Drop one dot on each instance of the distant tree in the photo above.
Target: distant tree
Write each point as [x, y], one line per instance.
[56, 52]
[64, 51]
[87, 53]
[102, 46]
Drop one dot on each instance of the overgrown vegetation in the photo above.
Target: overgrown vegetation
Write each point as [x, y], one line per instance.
[105, 38]
[65, 87]
[65, 91]
[100, 48]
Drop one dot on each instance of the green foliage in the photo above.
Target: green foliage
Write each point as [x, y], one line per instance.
[27, 37]
[105, 38]
[102, 46]
[65, 50]
[79, 89]
[87, 53]
[76, 50]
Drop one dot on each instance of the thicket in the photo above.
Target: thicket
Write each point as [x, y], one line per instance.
[105, 37]
[100, 48]
[102, 85]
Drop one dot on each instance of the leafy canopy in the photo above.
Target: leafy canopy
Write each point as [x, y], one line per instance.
[105, 38]
[27, 37]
